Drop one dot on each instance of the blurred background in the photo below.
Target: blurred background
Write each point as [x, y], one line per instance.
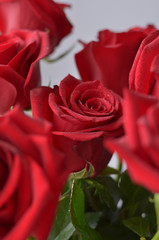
[90, 16]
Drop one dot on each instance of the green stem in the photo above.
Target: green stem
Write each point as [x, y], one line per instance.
[142, 238]
[119, 167]
[156, 237]
[60, 56]
[156, 202]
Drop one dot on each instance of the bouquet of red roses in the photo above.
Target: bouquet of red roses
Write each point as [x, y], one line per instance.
[55, 178]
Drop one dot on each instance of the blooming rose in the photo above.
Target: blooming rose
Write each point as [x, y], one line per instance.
[30, 179]
[35, 15]
[111, 57]
[20, 52]
[144, 75]
[140, 146]
[81, 113]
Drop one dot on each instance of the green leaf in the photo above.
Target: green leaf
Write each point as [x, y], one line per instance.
[112, 187]
[88, 171]
[66, 233]
[103, 193]
[131, 193]
[107, 190]
[63, 228]
[138, 225]
[77, 208]
[115, 231]
[93, 218]
[136, 203]
[109, 171]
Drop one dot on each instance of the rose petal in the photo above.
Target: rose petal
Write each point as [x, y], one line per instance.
[7, 97]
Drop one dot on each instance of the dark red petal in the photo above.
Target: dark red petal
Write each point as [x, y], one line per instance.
[8, 94]
[141, 172]
[40, 102]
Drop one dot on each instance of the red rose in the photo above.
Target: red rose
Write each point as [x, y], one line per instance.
[111, 57]
[35, 15]
[144, 75]
[30, 179]
[140, 147]
[81, 113]
[20, 52]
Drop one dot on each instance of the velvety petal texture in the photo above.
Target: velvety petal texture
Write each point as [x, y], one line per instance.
[111, 57]
[31, 179]
[35, 15]
[144, 75]
[81, 113]
[140, 146]
[20, 52]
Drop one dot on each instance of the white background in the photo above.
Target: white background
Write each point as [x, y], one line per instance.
[90, 16]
